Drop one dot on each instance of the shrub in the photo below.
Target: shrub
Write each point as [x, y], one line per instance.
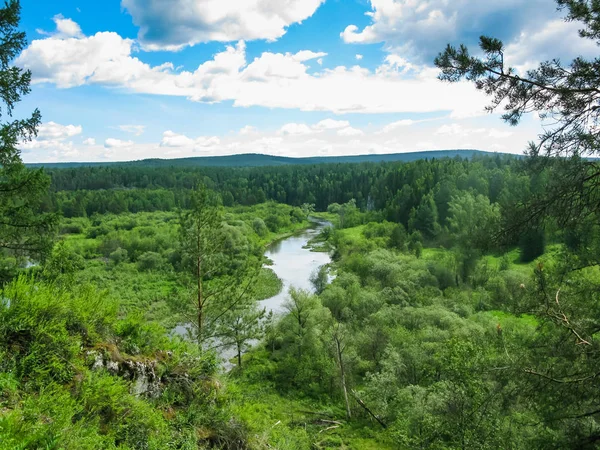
[118, 256]
[150, 261]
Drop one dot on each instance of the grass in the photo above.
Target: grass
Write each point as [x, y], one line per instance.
[268, 284]
[287, 422]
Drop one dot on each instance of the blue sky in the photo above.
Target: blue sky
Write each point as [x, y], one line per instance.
[133, 79]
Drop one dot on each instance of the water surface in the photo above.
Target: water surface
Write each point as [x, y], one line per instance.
[293, 264]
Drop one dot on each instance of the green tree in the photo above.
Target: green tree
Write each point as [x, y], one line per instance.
[415, 243]
[532, 244]
[473, 220]
[424, 217]
[568, 95]
[562, 365]
[302, 318]
[241, 325]
[23, 230]
[62, 265]
[398, 237]
[218, 277]
[319, 279]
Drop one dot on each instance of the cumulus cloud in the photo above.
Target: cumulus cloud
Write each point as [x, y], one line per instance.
[358, 57]
[65, 28]
[272, 80]
[176, 24]
[458, 130]
[117, 143]
[395, 125]
[307, 55]
[349, 131]
[420, 30]
[300, 129]
[331, 124]
[89, 141]
[295, 129]
[54, 138]
[555, 38]
[137, 130]
[172, 139]
[481, 133]
[53, 130]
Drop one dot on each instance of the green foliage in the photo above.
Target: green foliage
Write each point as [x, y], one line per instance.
[24, 230]
[54, 393]
[532, 244]
[424, 217]
[319, 279]
[259, 227]
[473, 220]
[62, 265]
[148, 261]
[45, 331]
[119, 255]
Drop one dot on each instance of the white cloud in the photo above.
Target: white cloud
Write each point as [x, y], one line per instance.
[117, 143]
[248, 129]
[272, 80]
[300, 129]
[480, 133]
[295, 129]
[65, 28]
[555, 38]
[136, 130]
[349, 131]
[331, 124]
[171, 139]
[398, 124]
[458, 130]
[532, 30]
[499, 134]
[175, 24]
[307, 55]
[53, 130]
[358, 57]
[422, 29]
[53, 137]
[89, 141]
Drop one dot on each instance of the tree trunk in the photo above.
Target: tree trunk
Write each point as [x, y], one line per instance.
[343, 377]
[239, 355]
[361, 403]
[200, 298]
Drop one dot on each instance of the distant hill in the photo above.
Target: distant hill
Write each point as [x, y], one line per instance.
[258, 160]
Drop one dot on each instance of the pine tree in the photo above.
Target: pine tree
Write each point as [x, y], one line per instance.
[218, 282]
[23, 230]
[568, 95]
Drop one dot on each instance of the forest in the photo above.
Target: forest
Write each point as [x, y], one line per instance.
[458, 308]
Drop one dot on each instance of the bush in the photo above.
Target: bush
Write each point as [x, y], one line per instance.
[150, 261]
[45, 327]
[72, 228]
[259, 227]
[118, 256]
[100, 230]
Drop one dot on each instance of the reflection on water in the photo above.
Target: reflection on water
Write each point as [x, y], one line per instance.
[293, 264]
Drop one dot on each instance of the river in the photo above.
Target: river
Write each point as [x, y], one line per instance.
[293, 263]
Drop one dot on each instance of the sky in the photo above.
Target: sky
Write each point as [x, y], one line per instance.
[119, 80]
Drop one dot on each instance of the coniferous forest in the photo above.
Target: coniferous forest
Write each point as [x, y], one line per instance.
[458, 307]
